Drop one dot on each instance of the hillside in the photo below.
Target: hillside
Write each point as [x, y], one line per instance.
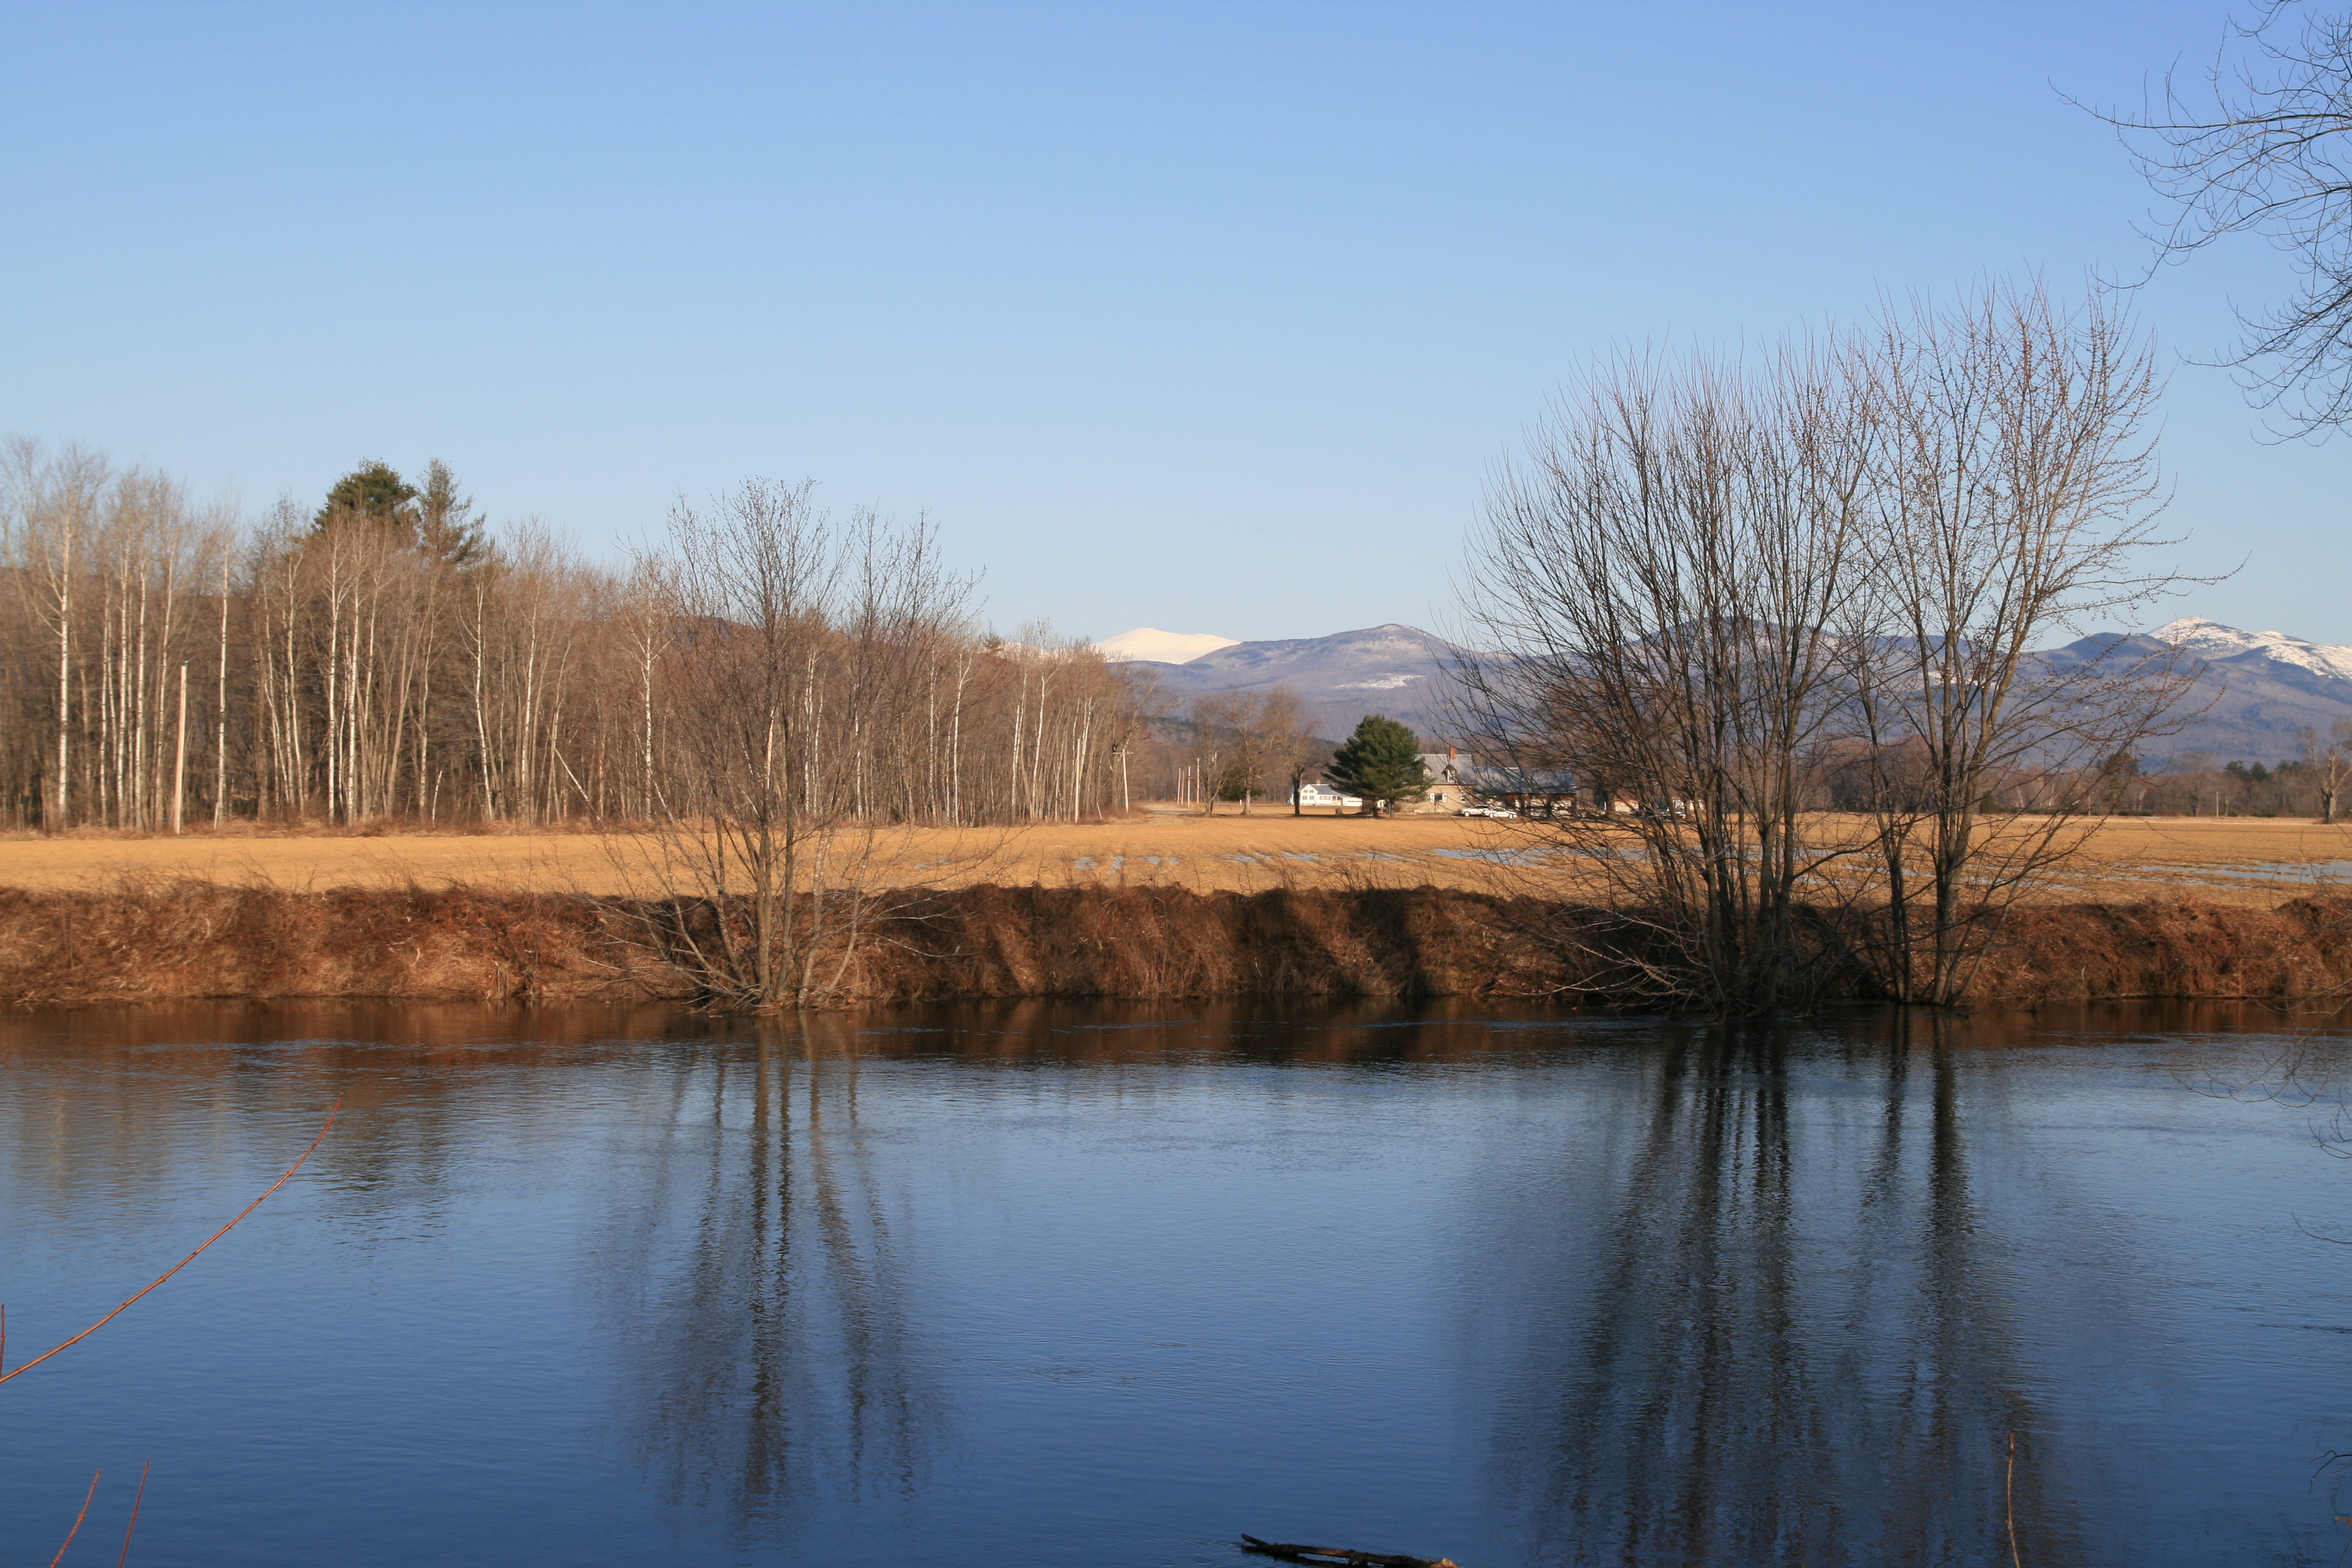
[1395, 669]
[2253, 690]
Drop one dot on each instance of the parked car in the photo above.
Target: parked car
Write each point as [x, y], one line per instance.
[1499, 813]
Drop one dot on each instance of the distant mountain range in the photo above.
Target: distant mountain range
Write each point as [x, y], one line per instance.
[2253, 689]
[1150, 645]
[1397, 670]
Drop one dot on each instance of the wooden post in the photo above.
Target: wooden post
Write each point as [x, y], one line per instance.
[179, 768]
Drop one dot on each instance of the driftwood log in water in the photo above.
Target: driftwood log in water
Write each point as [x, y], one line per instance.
[1339, 1555]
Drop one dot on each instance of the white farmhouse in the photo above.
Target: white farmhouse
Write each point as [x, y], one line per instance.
[1324, 795]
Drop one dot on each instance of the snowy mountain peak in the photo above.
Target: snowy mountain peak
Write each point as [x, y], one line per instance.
[2211, 639]
[1162, 648]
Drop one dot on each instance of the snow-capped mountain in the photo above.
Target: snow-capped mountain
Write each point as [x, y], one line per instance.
[2212, 640]
[2254, 693]
[1153, 645]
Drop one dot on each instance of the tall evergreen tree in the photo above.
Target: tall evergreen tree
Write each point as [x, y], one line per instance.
[1381, 761]
[374, 491]
[448, 526]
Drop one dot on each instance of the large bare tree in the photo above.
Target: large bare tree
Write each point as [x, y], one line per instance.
[2326, 761]
[1245, 740]
[797, 641]
[1656, 584]
[1716, 591]
[2014, 497]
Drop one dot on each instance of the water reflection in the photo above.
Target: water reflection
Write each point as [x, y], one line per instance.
[1774, 1331]
[932, 1287]
[196, 1095]
[759, 1291]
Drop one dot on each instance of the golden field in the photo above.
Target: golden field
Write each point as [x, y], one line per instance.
[2232, 860]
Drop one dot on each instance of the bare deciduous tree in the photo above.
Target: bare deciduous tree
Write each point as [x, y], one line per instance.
[1657, 581]
[1715, 591]
[796, 641]
[2264, 147]
[2015, 492]
[2328, 759]
[1217, 718]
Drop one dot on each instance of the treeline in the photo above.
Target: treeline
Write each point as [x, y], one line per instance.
[382, 657]
[2197, 784]
[1235, 747]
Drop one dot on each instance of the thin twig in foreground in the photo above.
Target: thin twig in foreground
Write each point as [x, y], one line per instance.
[78, 1518]
[135, 1501]
[191, 1257]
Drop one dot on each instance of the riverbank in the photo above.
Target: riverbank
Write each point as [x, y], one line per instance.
[159, 940]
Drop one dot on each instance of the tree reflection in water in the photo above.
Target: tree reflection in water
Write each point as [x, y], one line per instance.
[761, 1294]
[1773, 1338]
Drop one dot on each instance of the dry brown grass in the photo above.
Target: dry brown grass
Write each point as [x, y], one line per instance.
[155, 938]
[2247, 862]
[182, 940]
[1161, 906]
[2297, 951]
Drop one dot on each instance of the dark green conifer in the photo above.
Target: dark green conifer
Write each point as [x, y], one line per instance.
[448, 526]
[1381, 761]
[435, 519]
[375, 492]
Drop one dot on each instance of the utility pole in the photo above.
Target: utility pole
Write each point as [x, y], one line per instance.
[220, 707]
[180, 767]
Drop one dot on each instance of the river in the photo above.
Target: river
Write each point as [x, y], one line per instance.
[1097, 1285]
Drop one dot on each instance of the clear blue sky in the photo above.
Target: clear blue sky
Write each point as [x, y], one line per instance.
[1209, 317]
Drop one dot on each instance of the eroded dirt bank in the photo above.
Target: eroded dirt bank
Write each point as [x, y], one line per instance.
[185, 940]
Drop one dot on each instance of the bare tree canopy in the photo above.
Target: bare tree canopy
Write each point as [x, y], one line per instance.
[2327, 761]
[1729, 595]
[1243, 742]
[1656, 582]
[2260, 147]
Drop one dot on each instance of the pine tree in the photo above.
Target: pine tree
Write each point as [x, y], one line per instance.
[448, 526]
[373, 490]
[1381, 761]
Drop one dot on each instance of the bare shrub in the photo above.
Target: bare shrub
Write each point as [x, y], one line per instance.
[798, 644]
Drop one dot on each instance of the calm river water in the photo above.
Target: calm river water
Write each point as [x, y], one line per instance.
[1062, 1285]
